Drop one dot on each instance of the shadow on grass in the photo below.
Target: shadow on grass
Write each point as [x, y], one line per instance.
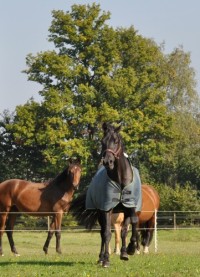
[41, 263]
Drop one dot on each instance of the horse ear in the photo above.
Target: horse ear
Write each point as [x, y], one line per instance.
[104, 126]
[74, 161]
[70, 161]
[117, 129]
[78, 160]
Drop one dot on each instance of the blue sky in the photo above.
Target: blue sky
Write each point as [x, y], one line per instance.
[24, 29]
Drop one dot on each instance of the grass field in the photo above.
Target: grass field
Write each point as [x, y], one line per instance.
[178, 255]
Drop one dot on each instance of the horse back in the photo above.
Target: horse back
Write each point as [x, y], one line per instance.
[11, 190]
[150, 202]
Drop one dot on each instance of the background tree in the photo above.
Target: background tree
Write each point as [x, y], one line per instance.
[181, 85]
[18, 158]
[181, 163]
[97, 73]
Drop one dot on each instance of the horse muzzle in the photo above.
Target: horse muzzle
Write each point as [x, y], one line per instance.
[109, 164]
[76, 187]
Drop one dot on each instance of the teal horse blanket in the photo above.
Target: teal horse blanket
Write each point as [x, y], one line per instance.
[105, 194]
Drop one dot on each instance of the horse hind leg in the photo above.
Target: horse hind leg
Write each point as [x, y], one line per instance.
[147, 236]
[3, 216]
[9, 231]
[145, 241]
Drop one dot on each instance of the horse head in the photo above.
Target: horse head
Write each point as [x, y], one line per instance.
[74, 173]
[112, 147]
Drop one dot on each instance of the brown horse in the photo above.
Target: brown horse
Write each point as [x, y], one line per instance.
[38, 199]
[150, 203]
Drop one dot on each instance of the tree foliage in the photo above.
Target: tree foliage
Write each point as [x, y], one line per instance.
[180, 198]
[97, 73]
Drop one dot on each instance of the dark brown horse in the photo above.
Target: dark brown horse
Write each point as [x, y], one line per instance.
[115, 187]
[38, 199]
[146, 223]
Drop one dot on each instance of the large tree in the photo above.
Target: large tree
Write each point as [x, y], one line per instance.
[97, 73]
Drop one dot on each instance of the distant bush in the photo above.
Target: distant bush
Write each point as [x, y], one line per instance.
[34, 223]
[179, 198]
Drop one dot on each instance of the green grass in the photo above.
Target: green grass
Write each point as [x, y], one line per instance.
[178, 255]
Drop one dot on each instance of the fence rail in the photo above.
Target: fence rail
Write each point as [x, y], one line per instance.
[164, 220]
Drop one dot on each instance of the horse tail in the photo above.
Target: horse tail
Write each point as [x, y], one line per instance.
[88, 218]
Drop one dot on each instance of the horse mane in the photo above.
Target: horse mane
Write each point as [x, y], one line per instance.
[59, 178]
[64, 174]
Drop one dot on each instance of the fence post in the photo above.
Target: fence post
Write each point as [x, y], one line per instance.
[156, 233]
[174, 221]
[48, 222]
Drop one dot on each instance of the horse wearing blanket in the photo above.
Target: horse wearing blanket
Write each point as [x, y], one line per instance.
[116, 187]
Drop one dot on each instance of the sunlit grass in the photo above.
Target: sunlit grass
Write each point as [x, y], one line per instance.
[178, 255]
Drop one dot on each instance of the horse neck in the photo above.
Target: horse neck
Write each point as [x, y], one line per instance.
[63, 183]
[122, 172]
[66, 186]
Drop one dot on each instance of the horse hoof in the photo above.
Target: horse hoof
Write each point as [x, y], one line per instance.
[2, 255]
[17, 254]
[131, 248]
[137, 252]
[124, 256]
[45, 250]
[106, 264]
[146, 250]
[100, 262]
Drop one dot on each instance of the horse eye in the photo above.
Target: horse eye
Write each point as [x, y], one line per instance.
[116, 140]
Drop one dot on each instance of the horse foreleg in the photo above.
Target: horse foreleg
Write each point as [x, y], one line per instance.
[2, 228]
[9, 231]
[102, 249]
[124, 232]
[118, 229]
[58, 237]
[49, 236]
[104, 219]
[134, 235]
[107, 236]
[58, 231]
